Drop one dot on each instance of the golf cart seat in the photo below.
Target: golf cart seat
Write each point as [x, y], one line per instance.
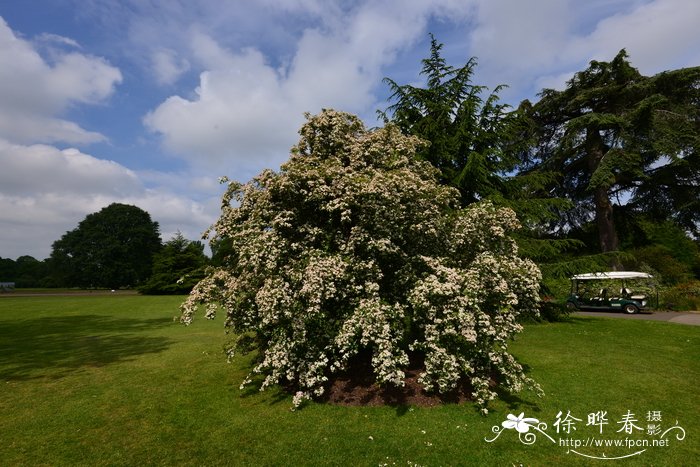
[602, 293]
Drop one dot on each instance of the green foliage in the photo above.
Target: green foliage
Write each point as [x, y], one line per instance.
[30, 272]
[26, 271]
[177, 267]
[553, 311]
[661, 248]
[112, 248]
[616, 134]
[470, 135]
[661, 262]
[685, 296]
[672, 186]
[476, 143]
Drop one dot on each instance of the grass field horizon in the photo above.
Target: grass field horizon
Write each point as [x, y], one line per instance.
[116, 380]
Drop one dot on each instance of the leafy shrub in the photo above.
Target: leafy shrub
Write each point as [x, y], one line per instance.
[354, 247]
[177, 267]
[684, 296]
[664, 266]
[553, 311]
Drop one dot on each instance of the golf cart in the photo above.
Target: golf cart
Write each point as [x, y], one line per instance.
[611, 291]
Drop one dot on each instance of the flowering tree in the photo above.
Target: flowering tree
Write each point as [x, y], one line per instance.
[355, 247]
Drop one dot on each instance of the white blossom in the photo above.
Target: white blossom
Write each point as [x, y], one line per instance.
[354, 245]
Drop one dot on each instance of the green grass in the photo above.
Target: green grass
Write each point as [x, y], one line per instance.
[113, 380]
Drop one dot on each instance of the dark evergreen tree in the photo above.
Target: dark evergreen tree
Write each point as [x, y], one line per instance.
[478, 143]
[8, 270]
[112, 248]
[624, 144]
[177, 267]
[470, 136]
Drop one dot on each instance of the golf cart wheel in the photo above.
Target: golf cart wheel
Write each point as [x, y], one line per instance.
[630, 309]
[570, 306]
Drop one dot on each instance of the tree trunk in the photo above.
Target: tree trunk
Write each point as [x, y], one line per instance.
[607, 235]
[604, 218]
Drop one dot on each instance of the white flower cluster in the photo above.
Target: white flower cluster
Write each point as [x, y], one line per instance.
[354, 246]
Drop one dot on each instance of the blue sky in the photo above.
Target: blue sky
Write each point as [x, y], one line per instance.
[149, 102]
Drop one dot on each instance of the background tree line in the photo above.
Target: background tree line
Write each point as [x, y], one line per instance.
[604, 174]
[117, 247]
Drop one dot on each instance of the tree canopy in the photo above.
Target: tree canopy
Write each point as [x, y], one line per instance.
[112, 248]
[624, 144]
[26, 271]
[177, 267]
[354, 250]
[469, 134]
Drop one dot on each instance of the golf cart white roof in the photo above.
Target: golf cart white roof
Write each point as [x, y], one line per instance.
[612, 275]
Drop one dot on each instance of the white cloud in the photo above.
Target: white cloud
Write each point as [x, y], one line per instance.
[59, 40]
[531, 45]
[167, 67]
[46, 192]
[44, 169]
[511, 37]
[240, 112]
[34, 92]
[659, 35]
[28, 129]
[246, 111]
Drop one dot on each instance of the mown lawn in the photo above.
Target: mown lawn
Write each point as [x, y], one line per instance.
[114, 380]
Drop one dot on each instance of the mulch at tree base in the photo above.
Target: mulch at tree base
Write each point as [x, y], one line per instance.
[357, 387]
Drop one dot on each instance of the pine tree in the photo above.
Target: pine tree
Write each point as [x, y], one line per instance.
[623, 144]
[478, 144]
[470, 136]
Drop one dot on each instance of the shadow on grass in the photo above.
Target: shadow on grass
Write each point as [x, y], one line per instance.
[580, 319]
[273, 395]
[515, 402]
[55, 347]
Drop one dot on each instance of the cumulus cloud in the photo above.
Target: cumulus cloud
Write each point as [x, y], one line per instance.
[167, 67]
[31, 128]
[658, 35]
[240, 110]
[512, 37]
[532, 45]
[35, 91]
[45, 169]
[46, 192]
[245, 112]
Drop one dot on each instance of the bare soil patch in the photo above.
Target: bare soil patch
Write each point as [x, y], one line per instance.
[357, 387]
